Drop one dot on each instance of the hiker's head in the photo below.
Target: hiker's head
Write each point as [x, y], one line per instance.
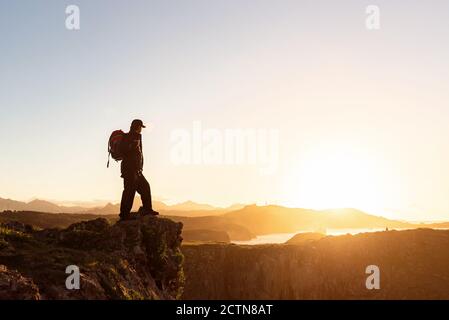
[136, 126]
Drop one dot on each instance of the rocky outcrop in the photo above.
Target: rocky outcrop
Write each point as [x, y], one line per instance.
[215, 228]
[15, 286]
[139, 259]
[414, 264]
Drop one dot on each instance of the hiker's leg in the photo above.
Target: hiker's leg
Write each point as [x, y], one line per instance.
[129, 191]
[143, 188]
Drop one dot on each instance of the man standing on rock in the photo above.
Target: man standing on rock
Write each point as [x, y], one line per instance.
[133, 178]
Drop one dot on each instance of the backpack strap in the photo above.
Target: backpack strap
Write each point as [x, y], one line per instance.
[109, 155]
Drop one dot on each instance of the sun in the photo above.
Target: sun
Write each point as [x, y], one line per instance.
[336, 177]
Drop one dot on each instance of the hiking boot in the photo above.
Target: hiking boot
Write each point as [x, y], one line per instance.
[127, 217]
[147, 212]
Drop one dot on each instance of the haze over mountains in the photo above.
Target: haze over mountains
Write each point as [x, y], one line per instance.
[278, 219]
[203, 222]
[38, 205]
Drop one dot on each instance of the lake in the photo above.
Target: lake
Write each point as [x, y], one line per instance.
[283, 237]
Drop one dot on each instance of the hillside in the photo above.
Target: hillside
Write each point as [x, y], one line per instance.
[200, 228]
[238, 225]
[142, 259]
[138, 259]
[45, 220]
[276, 219]
[216, 223]
[414, 264]
[303, 238]
[205, 235]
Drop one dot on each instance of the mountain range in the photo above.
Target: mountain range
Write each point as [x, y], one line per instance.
[203, 222]
[188, 208]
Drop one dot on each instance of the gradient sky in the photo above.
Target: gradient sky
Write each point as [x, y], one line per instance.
[362, 115]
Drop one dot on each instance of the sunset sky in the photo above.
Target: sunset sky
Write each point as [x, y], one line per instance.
[362, 116]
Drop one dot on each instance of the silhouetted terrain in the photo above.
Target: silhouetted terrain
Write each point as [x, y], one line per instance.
[49, 220]
[138, 259]
[414, 264]
[188, 208]
[276, 219]
[38, 206]
[302, 238]
[200, 228]
[241, 224]
[216, 223]
[199, 235]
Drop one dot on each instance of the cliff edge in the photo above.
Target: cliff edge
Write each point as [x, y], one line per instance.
[139, 259]
[413, 264]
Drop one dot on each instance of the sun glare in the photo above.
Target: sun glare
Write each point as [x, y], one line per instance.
[336, 178]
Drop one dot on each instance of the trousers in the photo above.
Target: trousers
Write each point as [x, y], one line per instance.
[133, 182]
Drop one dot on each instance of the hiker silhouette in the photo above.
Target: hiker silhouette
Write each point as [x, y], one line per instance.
[132, 173]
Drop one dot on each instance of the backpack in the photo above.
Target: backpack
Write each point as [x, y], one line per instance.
[115, 141]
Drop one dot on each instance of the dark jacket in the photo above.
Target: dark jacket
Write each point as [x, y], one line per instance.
[132, 154]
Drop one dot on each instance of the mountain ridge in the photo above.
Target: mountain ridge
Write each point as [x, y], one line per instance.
[242, 224]
[39, 205]
[278, 219]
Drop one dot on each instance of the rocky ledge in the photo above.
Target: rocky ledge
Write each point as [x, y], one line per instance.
[139, 259]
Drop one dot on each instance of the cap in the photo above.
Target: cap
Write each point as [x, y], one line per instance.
[137, 123]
